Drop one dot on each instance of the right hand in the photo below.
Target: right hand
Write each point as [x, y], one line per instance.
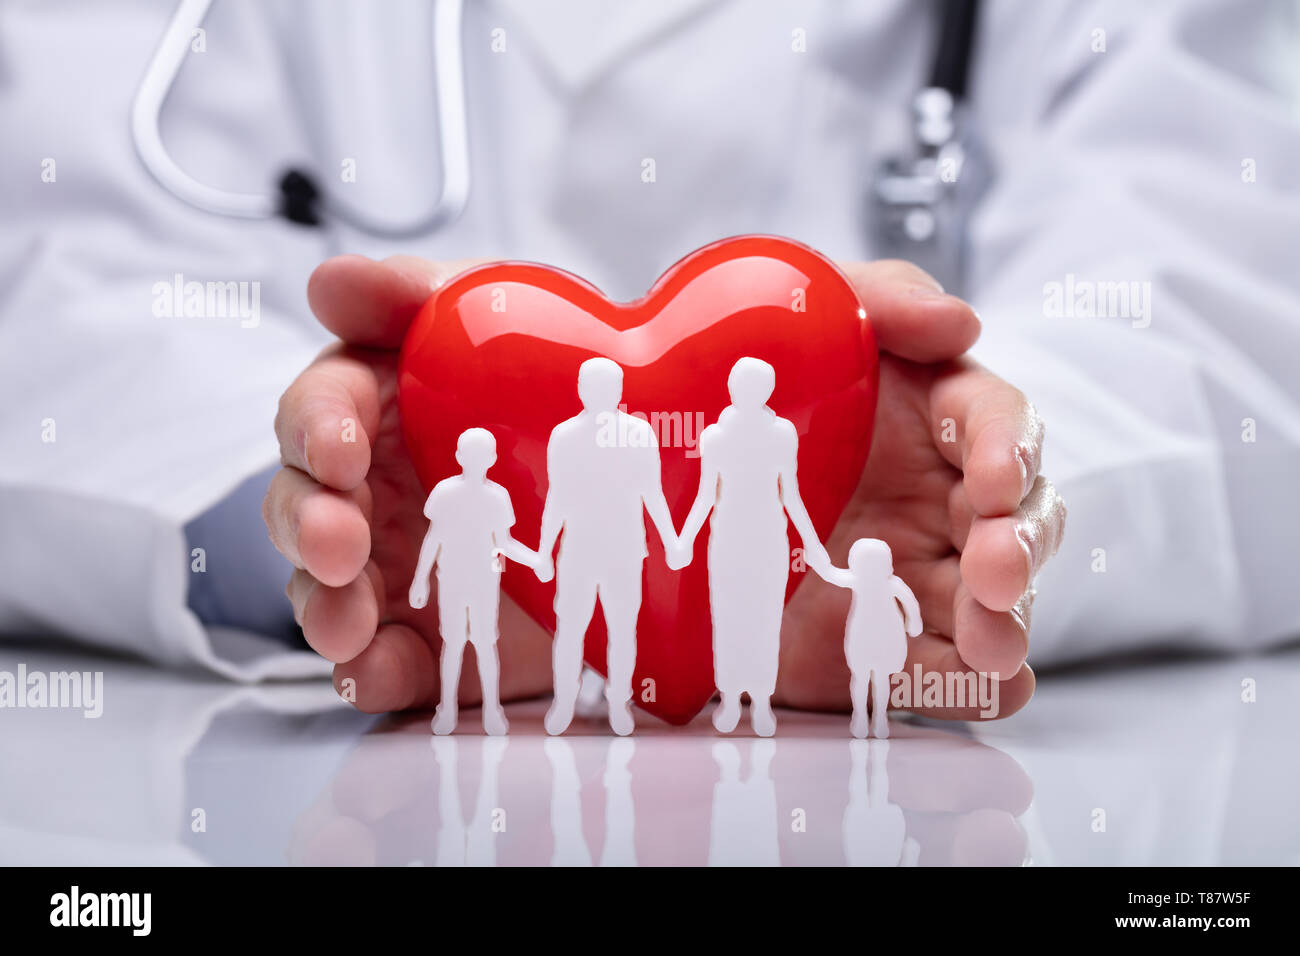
[348, 514]
[968, 517]
[419, 594]
[545, 568]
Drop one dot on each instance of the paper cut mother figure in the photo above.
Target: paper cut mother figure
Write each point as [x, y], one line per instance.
[747, 479]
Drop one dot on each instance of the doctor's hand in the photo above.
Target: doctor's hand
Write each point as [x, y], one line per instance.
[346, 508]
[952, 486]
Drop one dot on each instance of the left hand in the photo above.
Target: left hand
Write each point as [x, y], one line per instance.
[952, 486]
[349, 513]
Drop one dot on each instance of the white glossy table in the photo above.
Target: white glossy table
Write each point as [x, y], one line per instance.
[181, 770]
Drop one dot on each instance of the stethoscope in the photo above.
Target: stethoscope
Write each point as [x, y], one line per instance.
[297, 196]
[921, 199]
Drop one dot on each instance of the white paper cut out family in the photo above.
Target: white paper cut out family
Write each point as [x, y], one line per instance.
[598, 493]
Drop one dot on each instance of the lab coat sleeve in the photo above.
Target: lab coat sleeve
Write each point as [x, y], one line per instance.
[121, 428]
[1164, 165]
[129, 410]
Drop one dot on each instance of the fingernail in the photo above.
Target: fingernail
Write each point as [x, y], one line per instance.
[296, 605]
[1022, 535]
[927, 293]
[1020, 613]
[1027, 476]
[300, 612]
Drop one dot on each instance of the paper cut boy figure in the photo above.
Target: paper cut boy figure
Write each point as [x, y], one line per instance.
[875, 640]
[469, 526]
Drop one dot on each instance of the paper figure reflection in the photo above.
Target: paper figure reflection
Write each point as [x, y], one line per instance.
[926, 797]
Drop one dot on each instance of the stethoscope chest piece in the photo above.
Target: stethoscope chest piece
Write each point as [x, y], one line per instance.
[919, 204]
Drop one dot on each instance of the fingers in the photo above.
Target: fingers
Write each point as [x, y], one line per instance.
[326, 417]
[1000, 558]
[1002, 555]
[939, 655]
[988, 641]
[395, 671]
[1006, 520]
[988, 429]
[935, 585]
[910, 314]
[371, 303]
[322, 531]
[338, 622]
[317, 509]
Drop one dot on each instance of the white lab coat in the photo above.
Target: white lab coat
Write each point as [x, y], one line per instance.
[1123, 165]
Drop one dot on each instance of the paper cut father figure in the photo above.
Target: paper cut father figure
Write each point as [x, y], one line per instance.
[469, 527]
[602, 466]
[747, 479]
[875, 638]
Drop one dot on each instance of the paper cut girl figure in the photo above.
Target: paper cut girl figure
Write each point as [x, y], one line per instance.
[602, 466]
[469, 526]
[747, 479]
[875, 830]
[875, 640]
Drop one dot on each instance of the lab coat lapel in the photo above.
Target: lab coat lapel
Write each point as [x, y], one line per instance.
[579, 40]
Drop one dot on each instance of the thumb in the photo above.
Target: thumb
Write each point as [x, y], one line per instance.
[910, 314]
[371, 303]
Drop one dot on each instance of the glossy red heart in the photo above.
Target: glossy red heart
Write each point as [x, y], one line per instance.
[499, 347]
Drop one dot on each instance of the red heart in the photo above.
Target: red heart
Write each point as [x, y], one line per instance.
[499, 347]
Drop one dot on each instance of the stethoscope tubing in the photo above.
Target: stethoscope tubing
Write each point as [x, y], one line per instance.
[453, 131]
[952, 58]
